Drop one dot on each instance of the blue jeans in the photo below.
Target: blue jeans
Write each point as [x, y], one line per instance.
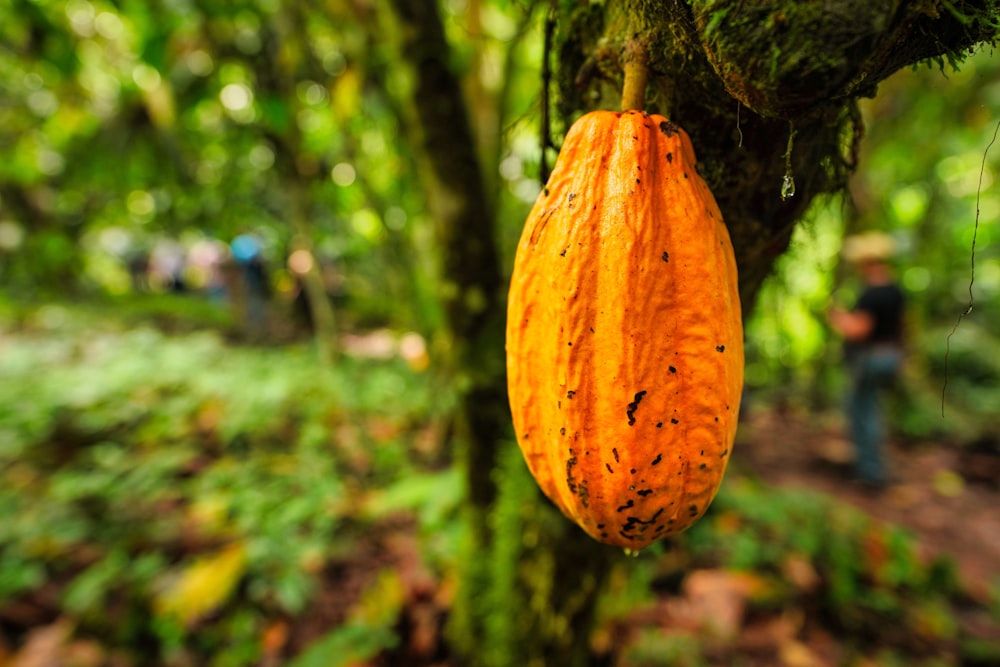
[872, 370]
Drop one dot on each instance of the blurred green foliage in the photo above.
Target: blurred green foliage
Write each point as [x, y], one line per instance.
[147, 452]
[133, 454]
[925, 175]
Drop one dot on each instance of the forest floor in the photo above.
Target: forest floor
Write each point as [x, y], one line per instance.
[946, 495]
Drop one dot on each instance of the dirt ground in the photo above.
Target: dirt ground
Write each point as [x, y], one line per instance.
[947, 495]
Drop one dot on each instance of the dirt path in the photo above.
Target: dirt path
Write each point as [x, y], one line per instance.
[946, 496]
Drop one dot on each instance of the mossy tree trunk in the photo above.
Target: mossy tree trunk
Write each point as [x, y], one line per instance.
[768, 96]
[517, 603]
[470, 276]
[465, 230]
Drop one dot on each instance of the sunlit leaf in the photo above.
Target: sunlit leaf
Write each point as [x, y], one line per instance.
[203, 585]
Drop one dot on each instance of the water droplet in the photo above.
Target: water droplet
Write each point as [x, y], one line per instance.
[631, 553]
[787, 187]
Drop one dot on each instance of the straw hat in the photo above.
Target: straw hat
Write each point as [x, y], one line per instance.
[869, 247]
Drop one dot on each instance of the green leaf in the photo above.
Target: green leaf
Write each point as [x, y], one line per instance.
[350, 644]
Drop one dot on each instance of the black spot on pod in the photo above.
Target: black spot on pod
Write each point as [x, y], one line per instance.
[570, 394]
[720, 348]
[668, 128]
[659, 424]
[583, 493]
[693, 510]
[666, 256]
[672, 369]
[670, 160]
[608, 466]
[570, 480]
[614, 452]
[644, 492]
[632, 521]
[628, 505]
[659, 457]
[633, 406]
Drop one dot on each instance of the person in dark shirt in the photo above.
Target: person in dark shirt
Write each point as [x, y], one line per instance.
[873, 348]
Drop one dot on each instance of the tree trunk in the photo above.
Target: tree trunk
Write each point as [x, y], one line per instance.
[465, 230]
[321, 311]
[470, 274]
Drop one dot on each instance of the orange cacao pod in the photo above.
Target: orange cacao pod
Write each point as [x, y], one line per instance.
[624, 332]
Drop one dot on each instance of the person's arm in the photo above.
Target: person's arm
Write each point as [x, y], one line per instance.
[854, 325]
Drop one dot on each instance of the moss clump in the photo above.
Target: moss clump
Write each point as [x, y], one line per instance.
[782, 59]
[787, 59]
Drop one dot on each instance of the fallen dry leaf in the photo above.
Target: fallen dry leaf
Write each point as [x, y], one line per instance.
[43, 646]
[714, 601]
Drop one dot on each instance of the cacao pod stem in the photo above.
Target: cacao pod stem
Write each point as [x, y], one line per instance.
[636, 68]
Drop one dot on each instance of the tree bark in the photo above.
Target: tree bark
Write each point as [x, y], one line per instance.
[471, 279]
[465, 229]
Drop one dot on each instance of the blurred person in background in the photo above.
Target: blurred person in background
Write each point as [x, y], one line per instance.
[873, 348]
[167, 262]
[251, 300]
